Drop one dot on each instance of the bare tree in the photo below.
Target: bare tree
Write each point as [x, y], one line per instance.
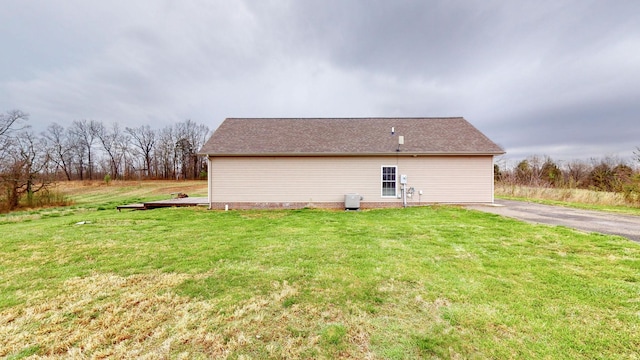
[577, 173]
[25, 170]
[165, 155]
[10, 120]
[114, 143]
[88, 147]
[8, 125]
[10, 160]
[59, 148]
[144, 138]
[190, 138]
[184, 155]
[84, 133]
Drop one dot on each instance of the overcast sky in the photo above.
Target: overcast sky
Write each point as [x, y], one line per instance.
[557, 78]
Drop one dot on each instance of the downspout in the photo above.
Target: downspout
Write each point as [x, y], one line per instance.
[210, 182]
[493, 180]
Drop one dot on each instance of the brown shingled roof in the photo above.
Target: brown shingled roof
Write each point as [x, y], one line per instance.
[347, 136]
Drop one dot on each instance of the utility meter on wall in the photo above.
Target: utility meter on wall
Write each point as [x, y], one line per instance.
[403, 179]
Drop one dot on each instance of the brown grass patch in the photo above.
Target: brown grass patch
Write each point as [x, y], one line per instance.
[141, 186]
[103, 316]
[187, 188]
[582, 196]
[140, 316]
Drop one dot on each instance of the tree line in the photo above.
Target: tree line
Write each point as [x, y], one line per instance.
[608, 174]
[92, 150]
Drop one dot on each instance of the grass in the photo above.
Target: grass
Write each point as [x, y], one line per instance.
[576, 198]
[99, 194]
[431, 282]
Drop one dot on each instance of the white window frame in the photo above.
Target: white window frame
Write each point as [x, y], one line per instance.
[383, 181]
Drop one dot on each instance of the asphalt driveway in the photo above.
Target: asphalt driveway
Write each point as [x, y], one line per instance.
[584, 220]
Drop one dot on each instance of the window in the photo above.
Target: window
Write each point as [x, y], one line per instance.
[389, 180]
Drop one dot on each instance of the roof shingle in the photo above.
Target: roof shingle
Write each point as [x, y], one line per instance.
[347, 136]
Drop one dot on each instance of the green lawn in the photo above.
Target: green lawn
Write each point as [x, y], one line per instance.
[431, 282]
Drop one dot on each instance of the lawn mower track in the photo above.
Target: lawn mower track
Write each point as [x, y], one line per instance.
[585, 220]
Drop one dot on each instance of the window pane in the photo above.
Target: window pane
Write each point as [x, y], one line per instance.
[388, 191]
[389, 181]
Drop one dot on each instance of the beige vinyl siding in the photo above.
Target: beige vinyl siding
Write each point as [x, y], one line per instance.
[450, 179]
[454, 179]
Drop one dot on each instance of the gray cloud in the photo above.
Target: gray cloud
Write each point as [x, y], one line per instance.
[552, 77]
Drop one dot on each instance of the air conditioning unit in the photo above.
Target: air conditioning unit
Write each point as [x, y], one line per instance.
[352, 201]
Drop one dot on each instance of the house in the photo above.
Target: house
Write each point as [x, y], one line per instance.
[378, 162]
